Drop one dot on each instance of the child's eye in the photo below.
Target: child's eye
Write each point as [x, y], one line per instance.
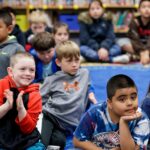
[59, 34]
[77, 59]
[69, 61]
[122, 98]
[133, 97]
[32, 70]
[22, 69]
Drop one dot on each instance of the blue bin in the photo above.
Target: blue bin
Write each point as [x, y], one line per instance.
[71, 20]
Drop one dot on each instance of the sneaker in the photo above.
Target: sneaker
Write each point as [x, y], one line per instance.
[135, 57]
[124, 59]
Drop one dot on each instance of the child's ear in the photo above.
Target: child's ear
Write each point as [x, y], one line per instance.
[109, 103]
[9, 70]
[58, 62]
[10, 28]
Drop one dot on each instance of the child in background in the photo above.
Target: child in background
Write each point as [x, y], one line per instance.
[146, 108]
[61, 32]
[38, 23]
[116, 124]
[97, 37]
[139, 32]
[146, 103]
[138, 43]
[20, 105]
[16, 29]
[65, 95]
[8, 44]
[44, 54]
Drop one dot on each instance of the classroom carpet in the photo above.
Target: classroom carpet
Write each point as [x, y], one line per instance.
[101, 73]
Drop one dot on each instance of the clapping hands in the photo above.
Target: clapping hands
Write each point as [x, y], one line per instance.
[9, 96]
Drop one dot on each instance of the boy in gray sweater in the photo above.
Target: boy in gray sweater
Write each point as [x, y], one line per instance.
[8, 44]
[65, 95]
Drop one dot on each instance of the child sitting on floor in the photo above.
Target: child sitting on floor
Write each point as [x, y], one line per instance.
[20, 105]
[65, 95]
[118, 123]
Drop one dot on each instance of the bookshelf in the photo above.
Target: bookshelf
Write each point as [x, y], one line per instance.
[121, 11]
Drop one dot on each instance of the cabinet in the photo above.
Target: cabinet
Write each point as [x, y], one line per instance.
[121, 11]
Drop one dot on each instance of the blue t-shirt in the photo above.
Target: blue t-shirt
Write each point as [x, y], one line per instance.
[47, 70]
[96, 126]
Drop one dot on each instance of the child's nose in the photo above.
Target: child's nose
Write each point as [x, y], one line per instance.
[28, 72]
[46, 56]
[129, 101]
[74, 64]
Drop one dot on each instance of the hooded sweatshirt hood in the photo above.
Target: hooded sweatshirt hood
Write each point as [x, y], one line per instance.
[28, 89]
[7, 49]
[85, 17]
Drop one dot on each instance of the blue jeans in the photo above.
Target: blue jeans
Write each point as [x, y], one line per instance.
[91, 55]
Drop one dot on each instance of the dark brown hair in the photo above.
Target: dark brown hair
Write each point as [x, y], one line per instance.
[59, 25]
[118, 82]
[99, 1]
[141, 1]
[43, 41]
[6, 17]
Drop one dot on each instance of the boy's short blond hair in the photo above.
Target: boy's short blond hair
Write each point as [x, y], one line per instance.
[67, 49]
[38, 16]
[16, 57]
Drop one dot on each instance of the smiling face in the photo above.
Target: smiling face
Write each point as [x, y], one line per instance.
[123, 103]
[38, 27]
[23, 71]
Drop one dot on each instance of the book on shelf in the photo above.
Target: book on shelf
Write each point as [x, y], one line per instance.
[120, 2]
[35, 2]
[122, 19]
[13, 3]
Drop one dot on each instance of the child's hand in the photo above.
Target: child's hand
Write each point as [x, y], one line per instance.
[103, 54]
[92, 98]
[144, 57]
[19, 101]
[9, 96]
[132, 117]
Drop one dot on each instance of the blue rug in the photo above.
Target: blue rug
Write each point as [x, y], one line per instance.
[101, 74]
